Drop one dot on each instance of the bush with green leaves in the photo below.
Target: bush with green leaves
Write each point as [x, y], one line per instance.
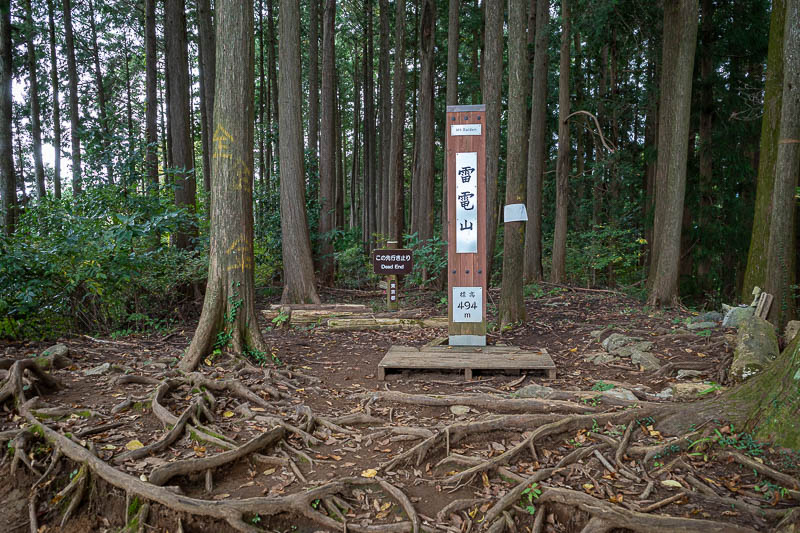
[430, 259]
[99, 262]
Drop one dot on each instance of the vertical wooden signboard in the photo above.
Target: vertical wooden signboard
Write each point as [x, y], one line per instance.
[466, 224]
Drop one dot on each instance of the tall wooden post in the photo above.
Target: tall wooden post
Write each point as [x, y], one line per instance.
[391, 283]
[466, 224]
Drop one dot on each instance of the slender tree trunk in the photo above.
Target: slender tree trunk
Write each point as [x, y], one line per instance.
[179, 115]
[650, 137]
[340, 181]
[355, 168]
[207, 67]
[370, 158]
[101, 98]
[151, 97]
[558, 271]
[313, 79]
[74, 117]
[396, 159]
[492, 82]
[273, 69]
[423, 170]
[782, 242]
[327, 146]
[263, 94]
[8, 186]
[36, 128]
[756, 272]
[705, 134]
[56, 104]
[680, 36]
[451, 95]
[229, 314]
[129, 123]
[298, 267]
[512, 302]
[537, 144]
[384, 89]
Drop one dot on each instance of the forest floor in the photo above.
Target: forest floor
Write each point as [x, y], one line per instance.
[419, 450]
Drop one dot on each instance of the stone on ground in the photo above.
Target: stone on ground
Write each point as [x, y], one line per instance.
[702, 325]
[535, 391]
[791, 331]
[622, 394]
[617, 340]
[756, 347]
[736, 315]
[57, 350]
[690, 390]
[628, 349]
[645, 360]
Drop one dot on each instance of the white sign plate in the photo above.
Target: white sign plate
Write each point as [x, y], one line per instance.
[466, 203]
[467, 304]
[515, 213]
[465, 129]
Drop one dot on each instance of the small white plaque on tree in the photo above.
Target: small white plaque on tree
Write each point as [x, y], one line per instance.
[467, 304]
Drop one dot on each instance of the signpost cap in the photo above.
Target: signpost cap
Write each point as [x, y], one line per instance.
[465, 108]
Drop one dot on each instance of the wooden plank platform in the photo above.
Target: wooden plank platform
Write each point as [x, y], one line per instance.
[468, 358]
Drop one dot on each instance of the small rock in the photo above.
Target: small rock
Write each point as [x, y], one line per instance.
[602, 358]
[159, 366]
[690, 390]
[665, 394]
[684, 373]
[596, 333]
[57, 350]
[791, 330]
[710, 316]
[534, 391]
[622, 394]
[646, 360]
[756, 347]
[756, 296]
[628, 349]
[702, 325]
[459, 410]
[617, 340]
[105, 368]
[737, 315]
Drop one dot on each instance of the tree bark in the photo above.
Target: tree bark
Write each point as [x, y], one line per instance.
[339, 134]
[492, 78]
[705, 132]
[756, 271]
[273, 69]
[36, 127]
[781, 247]
[370, 137]
[422, 184]
[384, 90]
[74, 117]
[537, 145]
[8, 185]
[101, 98]
[680, 36]
[179, 114]
[313, 80]
[512, 302]
[298, 267]
[56, 104]
[151, 97]
[229, 314]
[207, 68]
[558, 271]
[396, 159]
[355, 167]
[327, 146]
[263, 109]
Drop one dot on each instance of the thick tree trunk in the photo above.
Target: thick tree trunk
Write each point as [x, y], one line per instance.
[327, 146]
[207, 63]
[492, 83]
[680, 36]
[101, 98]
[263, 94]
[151, 97]
[8, 186]
[396, 159]
[74, 117]
[54, 87]
[558, 271]
[298, 267]
[756, 272]
[182, 159]
[512, 302]
[36, 127]
[313, 79]
[451, 95]
[537, 145]
[781, 248]
[273, 69]
[229, 315]
[385, 99]
[423, 169]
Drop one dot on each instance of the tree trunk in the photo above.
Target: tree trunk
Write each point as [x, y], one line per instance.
[8, 185]
[327, 146]
[705, 136]
[229, 315]
[680, 36]
[537, 145]
[338, 133]
[355, 168]
[313, 80]
[74, 117]
[492, 78]
[179, 115]
[756, 272]
[207, 70]
[384, 89]
[781, 248]
[396, 159]
[101, 98]
[273, 69]
[151, 97]
[370, 137]
[56, 104]
[558, 271]
[129, 122]
[263, 94]
[36, 128]
[423, 169]
[512, 302]
[298, 267]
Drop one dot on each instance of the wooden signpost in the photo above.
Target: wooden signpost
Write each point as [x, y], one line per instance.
[392, 262]
[466, 224]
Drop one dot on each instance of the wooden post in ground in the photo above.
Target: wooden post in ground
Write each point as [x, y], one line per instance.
[391, 283]
[466, 223]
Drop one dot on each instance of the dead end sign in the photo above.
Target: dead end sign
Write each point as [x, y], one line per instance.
[392, 262]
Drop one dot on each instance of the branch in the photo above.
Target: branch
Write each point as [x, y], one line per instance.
[605, 142]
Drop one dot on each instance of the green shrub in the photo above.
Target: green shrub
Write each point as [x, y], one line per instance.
[430, 259]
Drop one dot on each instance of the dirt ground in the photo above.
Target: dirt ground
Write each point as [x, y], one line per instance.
[414, 432]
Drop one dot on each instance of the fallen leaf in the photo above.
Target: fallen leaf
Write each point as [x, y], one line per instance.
[485, 479]
[701, 354]
[672, 483]
[369, 472]
[587, 487]
[135, 444]
[227, 414]
[268, 471]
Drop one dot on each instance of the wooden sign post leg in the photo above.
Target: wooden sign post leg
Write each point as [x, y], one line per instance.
[392, 293]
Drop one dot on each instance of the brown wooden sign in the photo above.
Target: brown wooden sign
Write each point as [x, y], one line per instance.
[392, 262]
[466, 224]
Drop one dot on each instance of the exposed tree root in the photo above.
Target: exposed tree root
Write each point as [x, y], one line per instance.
[14, 386]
